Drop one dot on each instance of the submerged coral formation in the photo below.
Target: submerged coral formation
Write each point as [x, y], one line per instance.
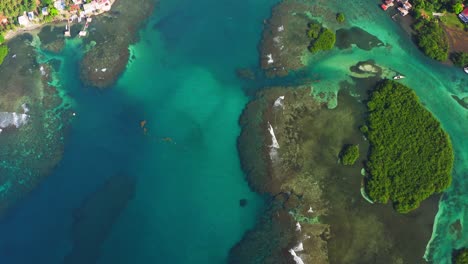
[34, 119]
[111, 34]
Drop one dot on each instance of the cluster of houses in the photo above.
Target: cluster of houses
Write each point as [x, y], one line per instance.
[403, 6]
[82, 7]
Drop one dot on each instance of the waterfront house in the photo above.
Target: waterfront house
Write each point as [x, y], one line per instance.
[407, 5]
[403, 11]
[31, 15]
[464, 15]
[89, 8]
[45, 11]
[59, 5]
[23, 20]
[103, 5]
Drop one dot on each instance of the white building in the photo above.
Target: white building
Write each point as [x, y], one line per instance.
[31, 16]
[89, 8]
[59, 5]
[23, 20]
[45, 11]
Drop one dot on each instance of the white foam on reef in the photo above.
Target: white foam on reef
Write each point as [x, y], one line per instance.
[25, 108]
[279, 102]
[298, 226]
[280, 28]
[274, 143]
[274, 146]
[298, 248]
[296, 258]
[270, 58]
[42, 70]
[8, 119]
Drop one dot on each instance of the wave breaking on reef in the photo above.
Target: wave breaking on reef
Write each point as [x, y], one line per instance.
[10, 119]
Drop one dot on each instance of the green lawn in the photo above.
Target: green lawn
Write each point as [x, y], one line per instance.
[452, 20]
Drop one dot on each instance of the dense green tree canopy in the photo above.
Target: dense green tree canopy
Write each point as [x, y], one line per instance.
[431, 39]
[340, 17]
[321, 38]
[410, 155]
[437, 5]
[349, 154]
[13, 8]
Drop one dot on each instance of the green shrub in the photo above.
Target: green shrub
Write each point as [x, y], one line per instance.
[53, 12]
[3, 53]
[410, 155]
[340, 17]
[349, 154]
[321, 38]
[325, 41]
[314, 30]
[460, 59]
[461, 257]
[457, 8]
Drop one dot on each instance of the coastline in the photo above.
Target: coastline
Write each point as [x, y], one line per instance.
[63, 18]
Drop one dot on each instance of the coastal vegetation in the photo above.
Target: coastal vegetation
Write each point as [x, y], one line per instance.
[321, 38]
[349, 154]
[410, 156]
[431, 39]
[438, 5]
[461, 256]
[11, 9]
[340, 17]
[3, 53]
[460, 59]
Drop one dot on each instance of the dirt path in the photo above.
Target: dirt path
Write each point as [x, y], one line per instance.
[458, 39]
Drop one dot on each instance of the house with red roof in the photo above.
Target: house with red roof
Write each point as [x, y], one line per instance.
[464, 15]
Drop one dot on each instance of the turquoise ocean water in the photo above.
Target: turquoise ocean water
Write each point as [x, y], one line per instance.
[183, 83]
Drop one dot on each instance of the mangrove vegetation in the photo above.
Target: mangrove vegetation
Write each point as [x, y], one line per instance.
[410, 156]
[431, 39]
[321, 38]
[350, 154]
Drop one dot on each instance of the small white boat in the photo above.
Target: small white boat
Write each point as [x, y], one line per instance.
[398, 77]
[465, 69]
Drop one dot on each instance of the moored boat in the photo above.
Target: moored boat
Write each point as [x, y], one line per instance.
[398, 77]
[466, 69]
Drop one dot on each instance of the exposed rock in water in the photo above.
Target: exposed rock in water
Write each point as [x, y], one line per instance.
[94, 219]
[113, 33]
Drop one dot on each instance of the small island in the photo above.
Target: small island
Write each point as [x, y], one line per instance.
[321, 38]
[410, 156]
[350, 154]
